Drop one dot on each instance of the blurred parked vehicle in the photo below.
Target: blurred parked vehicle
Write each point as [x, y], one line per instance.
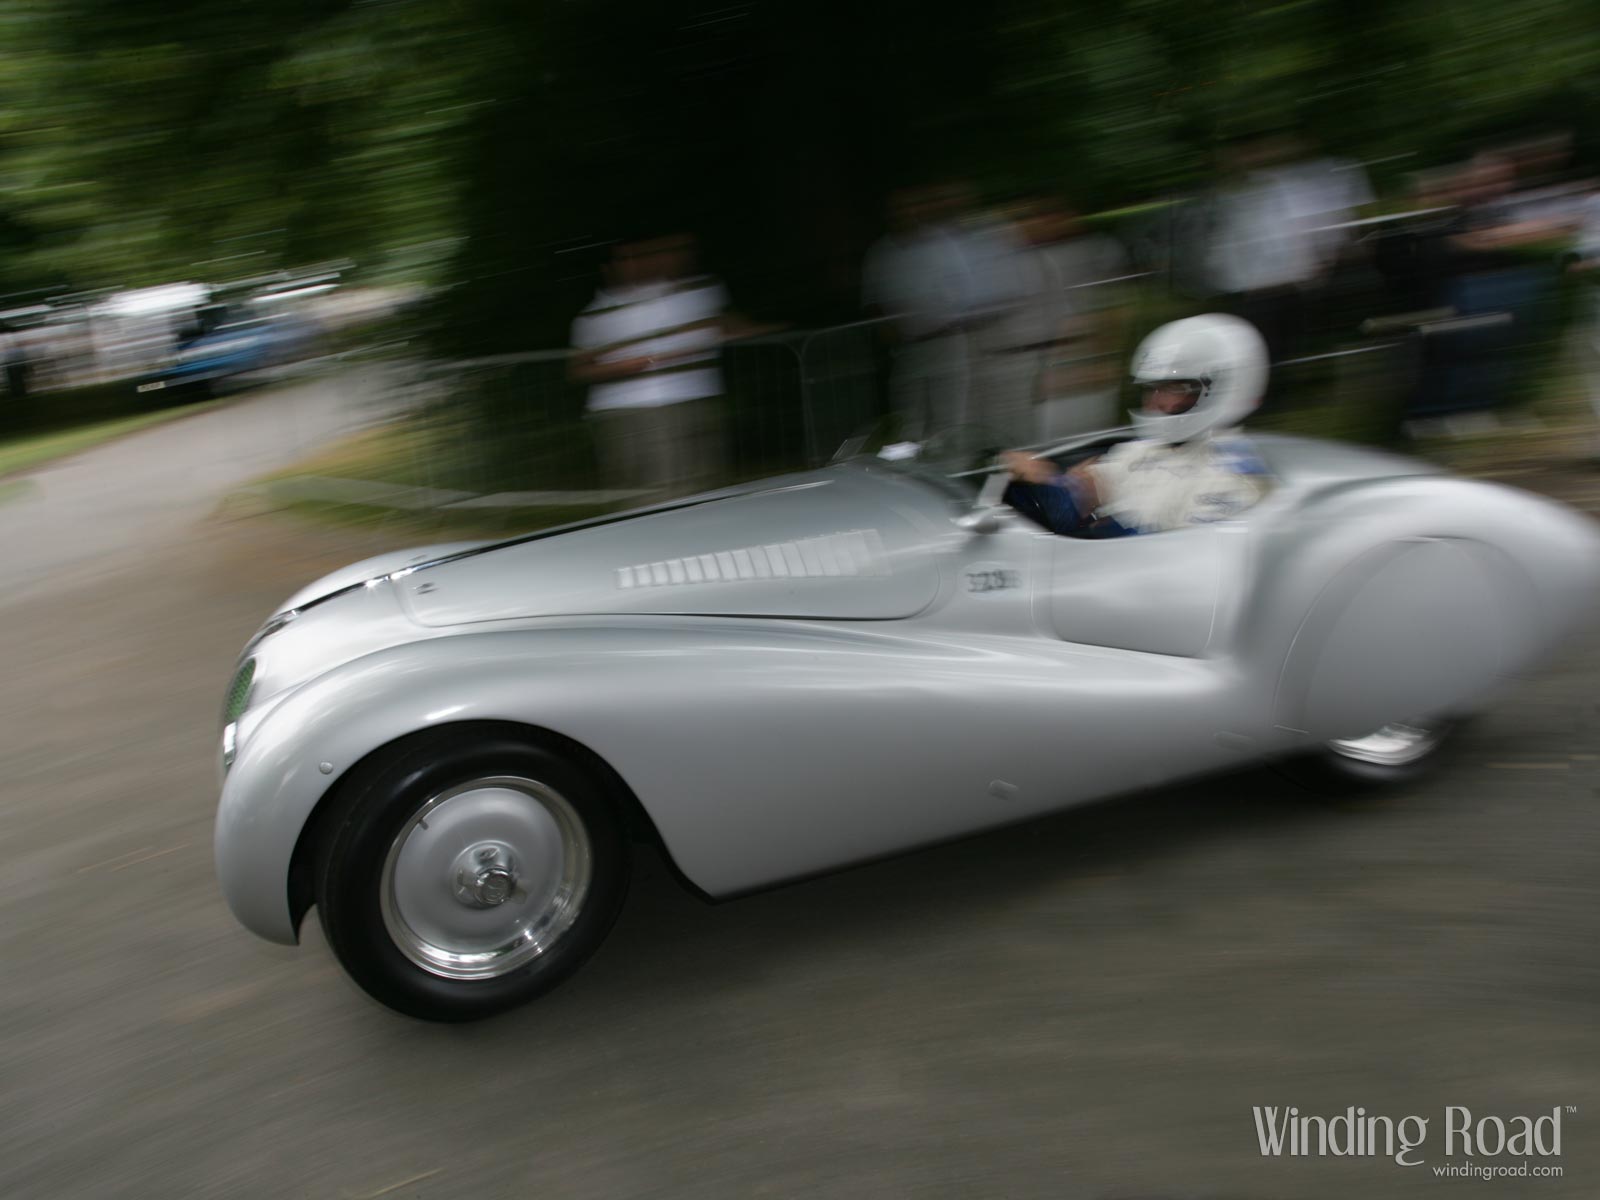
[231, 349]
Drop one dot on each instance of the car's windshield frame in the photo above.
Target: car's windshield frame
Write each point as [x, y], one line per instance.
[965, 485]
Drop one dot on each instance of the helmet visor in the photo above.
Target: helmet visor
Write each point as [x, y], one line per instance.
[1169, 397]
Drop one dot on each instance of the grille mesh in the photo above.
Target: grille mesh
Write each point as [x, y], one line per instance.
[239, 691]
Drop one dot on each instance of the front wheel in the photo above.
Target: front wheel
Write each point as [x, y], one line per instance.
[468, 872]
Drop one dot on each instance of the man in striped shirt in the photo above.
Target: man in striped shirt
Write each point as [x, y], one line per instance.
[648, 346]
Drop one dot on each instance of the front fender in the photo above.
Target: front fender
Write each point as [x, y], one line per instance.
[308, 739]
[672, 705]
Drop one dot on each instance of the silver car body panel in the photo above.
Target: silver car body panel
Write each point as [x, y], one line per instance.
[374, 568]
[934, 682]
[849, 545]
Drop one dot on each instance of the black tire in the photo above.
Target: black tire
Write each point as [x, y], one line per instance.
[1336, 774]
[382, 799]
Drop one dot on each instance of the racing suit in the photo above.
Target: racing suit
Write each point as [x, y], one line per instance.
[1149, 487]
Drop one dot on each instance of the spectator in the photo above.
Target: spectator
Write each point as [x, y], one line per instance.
[648, 347]
[938, 275]
[1046, 373]
[1412, 251]
[1327, 193]
[1489, 279]
[1261, 254]
[1017, 340]
[1000, 395]
[1079, 370]
[1586, 262]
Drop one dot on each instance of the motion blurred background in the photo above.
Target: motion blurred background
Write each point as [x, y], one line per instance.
[1397, 193]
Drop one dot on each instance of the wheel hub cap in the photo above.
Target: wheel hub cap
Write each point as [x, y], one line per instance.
[1391, 746]
[485, 877]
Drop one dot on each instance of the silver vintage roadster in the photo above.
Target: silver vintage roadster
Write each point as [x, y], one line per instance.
[447, 750]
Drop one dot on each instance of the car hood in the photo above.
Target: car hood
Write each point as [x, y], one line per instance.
[845, 543]
[375, 567]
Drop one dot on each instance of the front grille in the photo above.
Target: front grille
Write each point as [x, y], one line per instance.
[239, 691]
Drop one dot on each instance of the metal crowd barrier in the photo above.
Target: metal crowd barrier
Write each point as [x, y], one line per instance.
[517, 423]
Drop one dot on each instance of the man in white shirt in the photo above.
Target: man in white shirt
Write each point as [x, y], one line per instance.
[1263, 253]
[1326, 194]
[648, 346]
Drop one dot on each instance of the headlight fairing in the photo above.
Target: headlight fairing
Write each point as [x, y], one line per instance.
[298, 645]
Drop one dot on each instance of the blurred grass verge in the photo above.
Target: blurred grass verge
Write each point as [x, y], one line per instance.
[416, 468]
[52, 425]
[434, 524]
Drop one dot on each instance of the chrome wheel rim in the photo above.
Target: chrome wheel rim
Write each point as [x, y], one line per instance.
[1393, 745]
[485, 877]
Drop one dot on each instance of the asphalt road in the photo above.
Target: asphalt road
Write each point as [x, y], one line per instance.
[85, 519]
[1087, 1006]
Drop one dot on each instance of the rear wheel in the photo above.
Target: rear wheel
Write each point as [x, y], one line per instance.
[468, 872]
[1394, 753]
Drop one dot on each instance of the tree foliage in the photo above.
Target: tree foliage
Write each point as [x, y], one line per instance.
[497, 146]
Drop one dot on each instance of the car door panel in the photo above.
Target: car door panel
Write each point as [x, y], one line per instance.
[1153, 592]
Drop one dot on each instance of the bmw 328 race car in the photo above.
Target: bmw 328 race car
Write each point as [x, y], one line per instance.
[447, 750]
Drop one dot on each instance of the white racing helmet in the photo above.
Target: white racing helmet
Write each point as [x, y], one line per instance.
[1223, 356]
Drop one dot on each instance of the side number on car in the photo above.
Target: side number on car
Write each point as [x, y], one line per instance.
[997, 579]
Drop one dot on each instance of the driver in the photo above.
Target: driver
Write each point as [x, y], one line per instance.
[1189, 465]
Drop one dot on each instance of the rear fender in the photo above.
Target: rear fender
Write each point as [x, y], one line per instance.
[1410, 597]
